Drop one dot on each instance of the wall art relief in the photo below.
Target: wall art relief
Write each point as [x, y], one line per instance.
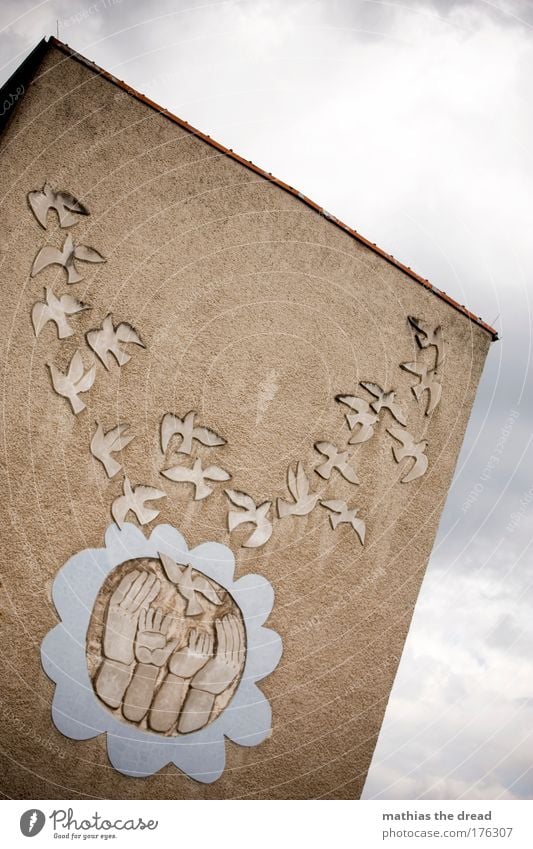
[160, 648]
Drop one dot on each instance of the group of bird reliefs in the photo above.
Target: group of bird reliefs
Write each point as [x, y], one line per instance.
[166, 646]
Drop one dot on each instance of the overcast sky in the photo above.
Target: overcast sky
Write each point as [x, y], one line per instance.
[412, 122]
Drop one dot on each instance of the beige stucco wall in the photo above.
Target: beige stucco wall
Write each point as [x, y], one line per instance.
[234, 285]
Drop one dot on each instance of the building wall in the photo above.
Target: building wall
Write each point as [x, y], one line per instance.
[256, 312]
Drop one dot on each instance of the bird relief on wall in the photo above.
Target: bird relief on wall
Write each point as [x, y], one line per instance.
[159, 647]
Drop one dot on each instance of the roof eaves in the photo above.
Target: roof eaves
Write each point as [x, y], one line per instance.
[268, 176]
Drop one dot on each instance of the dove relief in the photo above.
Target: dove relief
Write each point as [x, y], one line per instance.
[108, 338]
[103, 445]
[298, 485]
[65, 204]
[341, 515]
[186, 428]
[335, 460]
[428, 336]
[429, 382]
[197, 476]
[66, 258]
[250, 513]
[75, 381]
[410, 450]
[361, 421]
[56, 310]
[134, 499]
[166, 646]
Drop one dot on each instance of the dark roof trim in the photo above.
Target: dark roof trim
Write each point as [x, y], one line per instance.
[12, 92]
[64, 48]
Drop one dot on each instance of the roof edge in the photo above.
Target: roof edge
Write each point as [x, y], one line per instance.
[68, 51]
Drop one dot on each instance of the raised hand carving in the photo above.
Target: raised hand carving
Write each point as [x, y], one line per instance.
[197, 476]
[183, 664]
[152, 644]
[426, 336]
[363, 417]
[56, 310]
[298, 484]
[253, 514]
[105, 444]
[215, 677]
[152, 649]
[134, 594]
[341, 515]
[65, 257]
[336, 460]
[428, 383]
[185, 427]
[64, 204]
[188, 585]
[135, 500]
[75, 381]
[385, 400]
[411, 449]
[106, 340]
[187, 661]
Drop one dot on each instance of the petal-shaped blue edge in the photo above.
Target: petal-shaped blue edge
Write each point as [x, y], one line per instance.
[76, 711]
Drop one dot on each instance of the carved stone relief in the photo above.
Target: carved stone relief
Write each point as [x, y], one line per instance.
[107, 339]
[412, 450]
[103, 445]
[135, 499]
[427, 336]
[56, 310]
[362, 423]
[428, 383]
[250, 513]
[384, 400]
[156, 657]
[341, 515]
[298, 485]
[66, 258]
[197, 476]
[336, 460]
[65, 204]
[172, 425]
[75, 381]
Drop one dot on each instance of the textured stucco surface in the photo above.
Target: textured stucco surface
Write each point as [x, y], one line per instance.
[256, 312]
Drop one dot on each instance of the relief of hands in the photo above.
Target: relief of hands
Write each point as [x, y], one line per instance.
[189, 660]
[221, 670]
[134, 593]
[152, 645]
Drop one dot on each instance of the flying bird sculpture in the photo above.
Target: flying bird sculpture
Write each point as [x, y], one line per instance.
[65, 204]
[186, 428]
[341, 515]
[426, 335]
[189, 583]
[413, 450]
[103, 445]
[384, 400]
[362, 418]
[108, 338]
[135, 499]
[429, 383]
[254, 514]
[197, 476]
[75, 381]
[56, 309]
[65, 257]
[336, 460]
[304, 501]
